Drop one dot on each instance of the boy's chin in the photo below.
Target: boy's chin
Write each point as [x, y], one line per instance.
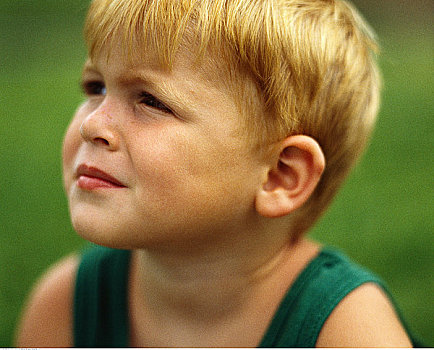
[101, 232]
[95, 235]
[108, 234]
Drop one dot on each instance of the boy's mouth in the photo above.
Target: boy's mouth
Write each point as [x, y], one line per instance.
[89, 178]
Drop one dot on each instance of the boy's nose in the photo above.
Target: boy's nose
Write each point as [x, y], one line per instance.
[97, 129]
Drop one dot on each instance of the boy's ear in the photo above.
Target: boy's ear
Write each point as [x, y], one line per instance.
[292, 180]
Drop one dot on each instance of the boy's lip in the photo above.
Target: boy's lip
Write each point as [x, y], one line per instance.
[90, 177]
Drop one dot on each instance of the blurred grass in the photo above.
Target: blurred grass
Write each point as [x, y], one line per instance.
[382, 217]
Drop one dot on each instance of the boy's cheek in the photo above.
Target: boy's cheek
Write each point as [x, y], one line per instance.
[70, 148]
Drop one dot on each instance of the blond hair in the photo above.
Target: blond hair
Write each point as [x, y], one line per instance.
[310, 62]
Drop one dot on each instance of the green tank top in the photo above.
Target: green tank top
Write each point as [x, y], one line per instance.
[101, 308]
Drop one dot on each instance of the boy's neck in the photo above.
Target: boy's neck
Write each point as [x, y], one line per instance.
[203, 285]
[219, 283]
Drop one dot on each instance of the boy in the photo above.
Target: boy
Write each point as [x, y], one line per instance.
[213, 135]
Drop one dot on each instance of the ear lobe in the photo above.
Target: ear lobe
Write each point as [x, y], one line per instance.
[293, 179]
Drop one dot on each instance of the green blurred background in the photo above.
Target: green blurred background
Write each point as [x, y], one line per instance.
[383, 217]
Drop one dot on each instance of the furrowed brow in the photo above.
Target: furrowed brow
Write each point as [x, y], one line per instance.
[161, 88]
[89, 68]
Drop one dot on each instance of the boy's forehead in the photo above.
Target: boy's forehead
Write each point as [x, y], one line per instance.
[132, 54]
[144, 58]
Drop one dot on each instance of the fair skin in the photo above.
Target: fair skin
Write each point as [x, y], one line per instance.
[206, 218]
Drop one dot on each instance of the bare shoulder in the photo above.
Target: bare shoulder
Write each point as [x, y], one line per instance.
[364, 318]
[47, 317]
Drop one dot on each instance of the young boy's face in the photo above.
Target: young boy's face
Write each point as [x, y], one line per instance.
[170, 142]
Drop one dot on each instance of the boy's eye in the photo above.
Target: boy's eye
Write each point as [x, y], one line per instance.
[92, 88]
[151, 101]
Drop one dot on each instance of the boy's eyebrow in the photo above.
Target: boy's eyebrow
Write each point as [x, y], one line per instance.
[161, 88]
[156, 84]
[89, 67]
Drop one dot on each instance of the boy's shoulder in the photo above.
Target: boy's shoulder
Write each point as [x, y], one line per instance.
[47, 317]
[364, 318]
[335, 302]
